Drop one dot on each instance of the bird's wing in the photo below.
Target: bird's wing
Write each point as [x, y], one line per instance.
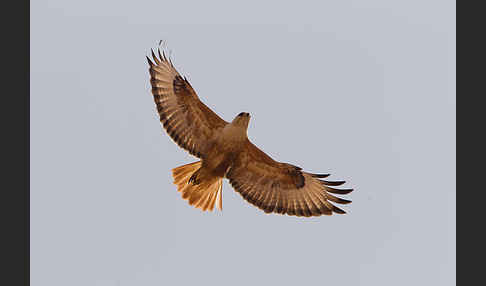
[188, 121]
[283, 188]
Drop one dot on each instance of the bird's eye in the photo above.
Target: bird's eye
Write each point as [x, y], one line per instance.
[241, 114]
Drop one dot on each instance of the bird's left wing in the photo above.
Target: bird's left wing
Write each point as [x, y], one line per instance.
[188, 121]
[283, 188]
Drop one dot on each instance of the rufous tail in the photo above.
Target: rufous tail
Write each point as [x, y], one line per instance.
[203, 192]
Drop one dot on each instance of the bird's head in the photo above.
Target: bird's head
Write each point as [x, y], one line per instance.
[242, 120]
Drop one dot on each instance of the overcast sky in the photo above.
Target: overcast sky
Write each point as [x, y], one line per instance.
[364, 90]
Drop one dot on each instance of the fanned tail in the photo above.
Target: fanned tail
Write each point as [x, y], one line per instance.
[205, 194]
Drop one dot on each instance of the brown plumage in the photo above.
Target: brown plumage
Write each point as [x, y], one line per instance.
[226, 152]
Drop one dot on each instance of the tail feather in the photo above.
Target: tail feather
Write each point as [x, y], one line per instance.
[204, 195]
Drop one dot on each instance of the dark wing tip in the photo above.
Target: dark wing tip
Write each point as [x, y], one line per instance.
[157, 61]
[160, 56]
[320, 175]
[339, 191]
[341, 201]
[332, 183]
[337, 210]
[149, 61]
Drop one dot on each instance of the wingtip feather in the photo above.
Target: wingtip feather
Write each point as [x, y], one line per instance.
[337, 210]
[332, 183]
[339, 191]
[320, 175]
[157, 61]
[149, 61]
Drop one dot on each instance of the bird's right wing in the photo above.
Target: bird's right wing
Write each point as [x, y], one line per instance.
[283, 188]
[188, 121]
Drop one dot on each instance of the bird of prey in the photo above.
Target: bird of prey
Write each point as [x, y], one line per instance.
[226, 152]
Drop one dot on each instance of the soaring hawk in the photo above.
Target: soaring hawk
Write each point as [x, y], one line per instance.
[226, 152]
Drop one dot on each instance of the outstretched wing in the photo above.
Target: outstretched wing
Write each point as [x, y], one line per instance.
[186, 119]
[283, 188]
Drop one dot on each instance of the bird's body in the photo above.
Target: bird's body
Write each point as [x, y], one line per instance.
[226, 152]
[225, 146]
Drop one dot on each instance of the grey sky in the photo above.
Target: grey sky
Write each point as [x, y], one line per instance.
[364, 90]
